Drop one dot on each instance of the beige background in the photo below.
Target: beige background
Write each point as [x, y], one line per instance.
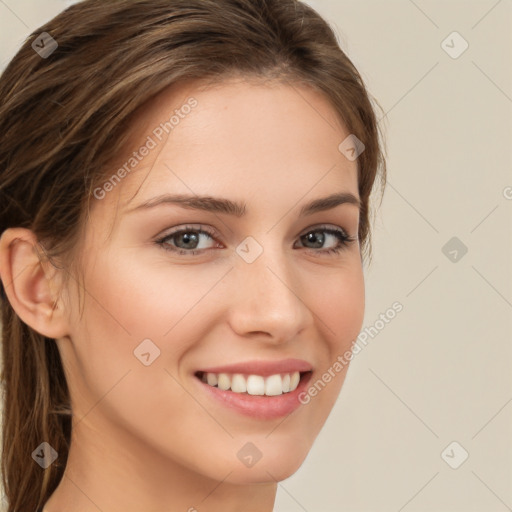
[440, 371]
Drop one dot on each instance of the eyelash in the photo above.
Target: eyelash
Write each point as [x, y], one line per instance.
[343, 238]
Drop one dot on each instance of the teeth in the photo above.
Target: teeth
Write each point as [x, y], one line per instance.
[286, 383]
[272, 385]
[294, 380]
[255, 385]
[238, 384]
[224, 381]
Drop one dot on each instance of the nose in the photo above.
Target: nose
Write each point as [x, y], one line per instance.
[267, 299]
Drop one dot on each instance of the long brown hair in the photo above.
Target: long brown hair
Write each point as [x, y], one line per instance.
[64, 116]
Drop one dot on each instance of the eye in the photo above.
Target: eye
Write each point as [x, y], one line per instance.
[317, 237]
[186, 241]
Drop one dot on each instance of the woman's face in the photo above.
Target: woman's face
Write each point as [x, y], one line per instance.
[249, 291]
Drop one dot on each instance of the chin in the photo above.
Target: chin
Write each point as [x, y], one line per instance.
[276, 467]
[262, 475]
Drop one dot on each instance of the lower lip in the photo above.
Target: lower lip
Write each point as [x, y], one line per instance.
[259, 406]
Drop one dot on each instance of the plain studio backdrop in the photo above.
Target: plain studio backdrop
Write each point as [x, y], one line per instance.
[423, 422]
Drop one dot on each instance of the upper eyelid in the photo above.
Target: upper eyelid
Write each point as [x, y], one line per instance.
[213, 235]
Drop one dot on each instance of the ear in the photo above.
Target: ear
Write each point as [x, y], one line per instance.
[31, 283]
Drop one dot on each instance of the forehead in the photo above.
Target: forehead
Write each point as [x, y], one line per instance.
[272, 140]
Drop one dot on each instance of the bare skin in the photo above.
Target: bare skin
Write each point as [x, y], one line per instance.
[148, 437]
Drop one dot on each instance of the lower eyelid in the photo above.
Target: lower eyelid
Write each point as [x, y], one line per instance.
[344, 239]
[164, 240]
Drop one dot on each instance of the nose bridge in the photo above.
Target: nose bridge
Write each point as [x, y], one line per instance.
[267, 299]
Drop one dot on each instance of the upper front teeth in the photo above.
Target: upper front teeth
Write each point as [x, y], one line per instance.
[254, 384]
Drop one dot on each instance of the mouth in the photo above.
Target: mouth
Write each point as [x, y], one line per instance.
[251, 384]
[260, 397]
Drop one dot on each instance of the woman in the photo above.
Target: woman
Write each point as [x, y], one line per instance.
[185, 192]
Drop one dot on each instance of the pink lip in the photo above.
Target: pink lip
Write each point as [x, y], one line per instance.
[263, 368]
[259, 406]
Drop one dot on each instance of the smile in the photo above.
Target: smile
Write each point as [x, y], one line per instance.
[269, 399]
[271, 385]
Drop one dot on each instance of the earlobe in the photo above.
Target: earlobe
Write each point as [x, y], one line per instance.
[30, 283]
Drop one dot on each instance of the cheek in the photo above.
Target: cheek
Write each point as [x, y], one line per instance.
[338, 303]
[145, 300]
[339, 308]
[127, 303]
[122, 308]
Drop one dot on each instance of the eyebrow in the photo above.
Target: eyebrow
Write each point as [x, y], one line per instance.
[220, 205]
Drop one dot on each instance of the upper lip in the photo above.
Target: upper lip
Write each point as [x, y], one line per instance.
[263, 368]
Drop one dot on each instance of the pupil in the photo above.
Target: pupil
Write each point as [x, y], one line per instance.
[317, 238]
[187, 237]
